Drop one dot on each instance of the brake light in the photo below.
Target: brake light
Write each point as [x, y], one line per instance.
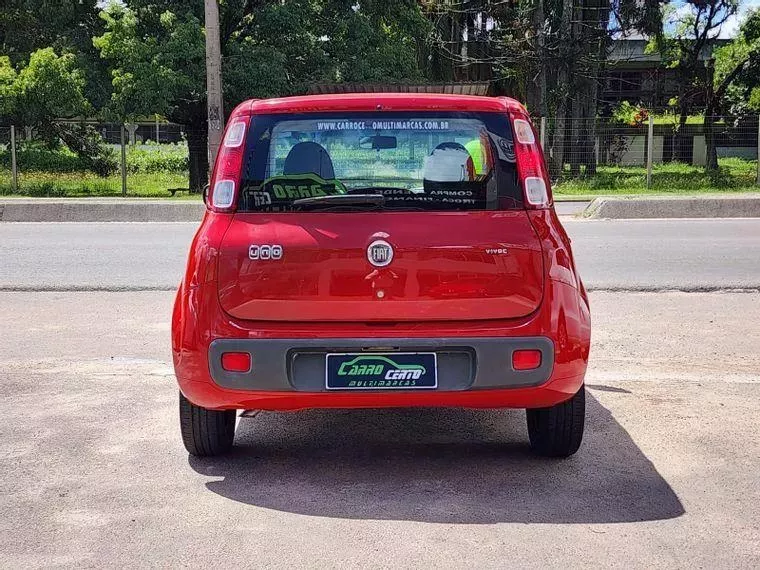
[229, 162]
[236, 361]
[531, 167]
[526, 359]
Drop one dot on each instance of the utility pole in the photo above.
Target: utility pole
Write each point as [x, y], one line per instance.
[213, 81]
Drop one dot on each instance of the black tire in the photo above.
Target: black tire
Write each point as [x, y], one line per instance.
[205, 433]
[558, 431]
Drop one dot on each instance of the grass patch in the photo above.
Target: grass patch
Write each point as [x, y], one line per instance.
[44, 172]
[675, 119]
[85, 184]
[734, 175]
[147, 158]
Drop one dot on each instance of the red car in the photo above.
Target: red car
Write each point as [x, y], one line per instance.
[375, 250]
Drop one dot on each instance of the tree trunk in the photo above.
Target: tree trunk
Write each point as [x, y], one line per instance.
[563, 94]
[579, 81]
[711, 163]
[599, 17]
[197, 145]
[535, 90]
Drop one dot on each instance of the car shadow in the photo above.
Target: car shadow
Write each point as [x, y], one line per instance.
[436, 465]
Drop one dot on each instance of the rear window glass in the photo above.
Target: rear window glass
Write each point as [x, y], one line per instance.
[417, 161]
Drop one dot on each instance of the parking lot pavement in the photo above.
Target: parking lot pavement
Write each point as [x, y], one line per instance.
[93, 472]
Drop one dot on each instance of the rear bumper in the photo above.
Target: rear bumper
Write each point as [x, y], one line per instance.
[288, 359]
[548, 394]
[298, 365]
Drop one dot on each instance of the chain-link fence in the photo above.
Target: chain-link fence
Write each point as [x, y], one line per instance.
[585, 156]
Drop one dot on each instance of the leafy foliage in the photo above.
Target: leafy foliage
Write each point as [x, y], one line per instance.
[156, 49]
[687, 32]
[49, 87]
[7, 88]
[632, 115]
[742, 94]
[157, 158]
[142, 159]
[68, 27]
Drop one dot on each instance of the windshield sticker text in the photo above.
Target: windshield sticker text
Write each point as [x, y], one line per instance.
[383, 125]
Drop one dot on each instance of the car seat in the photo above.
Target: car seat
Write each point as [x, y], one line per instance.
[449, 162]
[309, 158]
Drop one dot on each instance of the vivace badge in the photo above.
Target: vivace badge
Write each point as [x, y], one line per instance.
[392, 371]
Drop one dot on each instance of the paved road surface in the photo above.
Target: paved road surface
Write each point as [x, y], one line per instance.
[632, 255]
[93, 473]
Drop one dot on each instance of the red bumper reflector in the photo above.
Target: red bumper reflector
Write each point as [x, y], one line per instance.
[526, 359]
[236, 361]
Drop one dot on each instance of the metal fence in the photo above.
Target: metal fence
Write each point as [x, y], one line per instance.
[41, 162]
[36, 163]
[583, 146]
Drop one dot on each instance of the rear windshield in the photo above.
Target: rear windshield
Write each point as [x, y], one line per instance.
[417, 161]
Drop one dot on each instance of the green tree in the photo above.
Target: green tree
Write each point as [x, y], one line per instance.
[682, 45]
[549, 53]
[49, 70]
[733, 80]
[156, 51]
[48, 88]
[68, 27]
[7, 89]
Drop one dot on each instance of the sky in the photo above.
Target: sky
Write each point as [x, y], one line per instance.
[731, 27]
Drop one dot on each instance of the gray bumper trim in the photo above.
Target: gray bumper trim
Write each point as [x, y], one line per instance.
[464, 363]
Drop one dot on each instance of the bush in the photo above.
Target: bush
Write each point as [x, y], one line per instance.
[148, 159]
[36, 157]
[88, 145]
[157, 158]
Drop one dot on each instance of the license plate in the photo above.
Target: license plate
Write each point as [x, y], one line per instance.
[371, 371]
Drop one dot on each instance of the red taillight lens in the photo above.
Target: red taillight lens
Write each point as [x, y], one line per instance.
[531, 167]
[526, 359]
[229, 163]
[236, 361]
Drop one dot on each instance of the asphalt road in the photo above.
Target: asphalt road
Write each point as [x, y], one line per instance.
[93, 473]
[628, 255]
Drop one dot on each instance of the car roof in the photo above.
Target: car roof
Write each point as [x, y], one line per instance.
[379, 101]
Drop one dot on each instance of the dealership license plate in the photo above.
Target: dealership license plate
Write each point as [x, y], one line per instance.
[392, 371]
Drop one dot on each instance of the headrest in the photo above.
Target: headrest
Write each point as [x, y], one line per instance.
[449, 162]
[309, 157]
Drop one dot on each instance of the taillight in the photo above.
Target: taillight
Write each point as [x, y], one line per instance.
[531, 167]
[229, 162]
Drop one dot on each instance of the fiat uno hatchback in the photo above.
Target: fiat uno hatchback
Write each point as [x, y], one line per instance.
[363, 251]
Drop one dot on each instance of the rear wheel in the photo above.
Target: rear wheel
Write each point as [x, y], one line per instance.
[557, 431]
[205, 432]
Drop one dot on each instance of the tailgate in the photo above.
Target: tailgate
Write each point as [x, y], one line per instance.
[317, 266]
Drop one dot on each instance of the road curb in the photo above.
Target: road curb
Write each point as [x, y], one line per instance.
[136, 210]
[702, 207]
[150, 210]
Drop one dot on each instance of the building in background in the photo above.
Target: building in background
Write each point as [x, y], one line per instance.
[636, 76]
